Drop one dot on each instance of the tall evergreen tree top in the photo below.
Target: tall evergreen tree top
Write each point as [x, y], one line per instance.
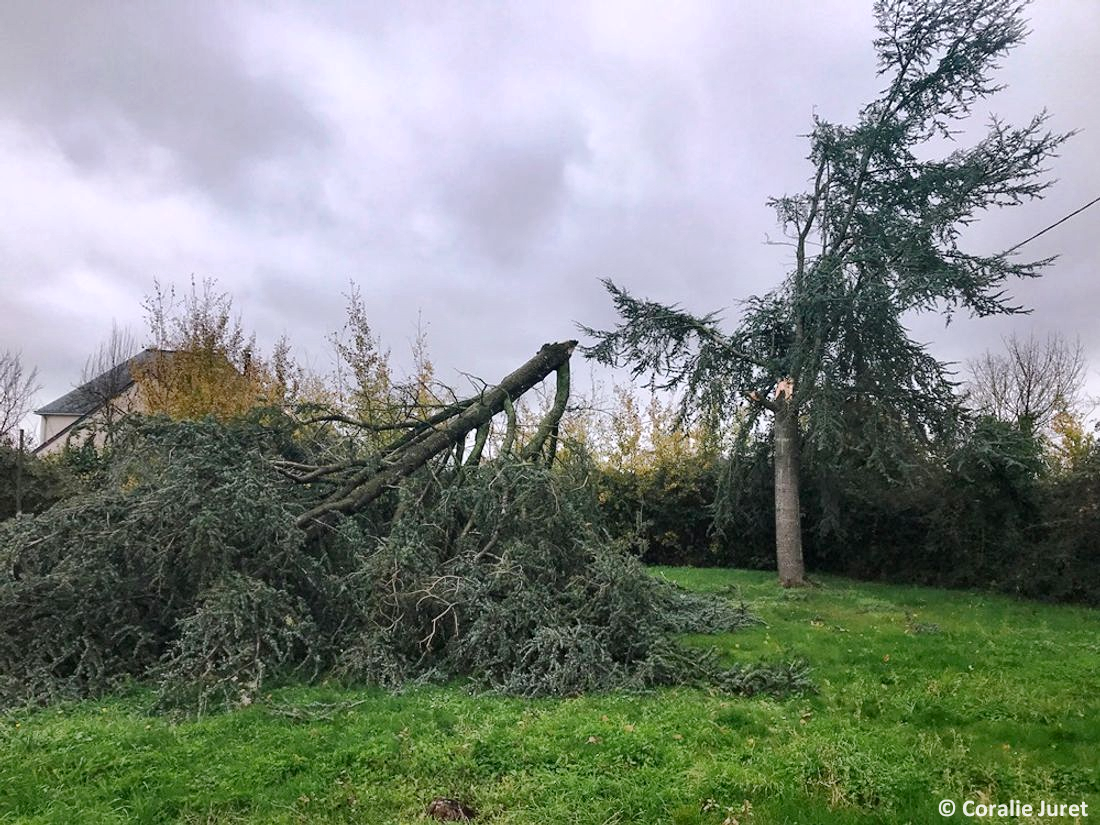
[877, 235]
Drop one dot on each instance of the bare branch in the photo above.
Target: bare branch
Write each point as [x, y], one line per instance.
[548, 427]
[1031, 381]
[17, 385]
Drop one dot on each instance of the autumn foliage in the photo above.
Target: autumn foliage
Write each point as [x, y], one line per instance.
[205, 363]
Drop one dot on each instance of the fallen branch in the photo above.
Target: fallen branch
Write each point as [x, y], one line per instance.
[548, 427]
[410, 454]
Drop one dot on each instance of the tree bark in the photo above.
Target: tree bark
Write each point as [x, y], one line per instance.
[788, 522]
[548, 427]
[475, 414]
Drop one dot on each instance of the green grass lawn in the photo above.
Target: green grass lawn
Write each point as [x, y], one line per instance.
[924, 695]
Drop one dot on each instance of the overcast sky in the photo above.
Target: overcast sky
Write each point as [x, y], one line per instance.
[482, 164]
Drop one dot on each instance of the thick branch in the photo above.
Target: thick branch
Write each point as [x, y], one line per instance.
[549, 424]
[479, 445]
[510, 429]
[477, 412]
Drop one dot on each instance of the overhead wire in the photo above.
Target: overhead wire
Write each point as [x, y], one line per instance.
[1056, 223]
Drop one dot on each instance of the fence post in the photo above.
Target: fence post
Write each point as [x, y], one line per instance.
[19, 476]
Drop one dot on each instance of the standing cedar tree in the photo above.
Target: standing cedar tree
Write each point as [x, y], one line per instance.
[876, 236]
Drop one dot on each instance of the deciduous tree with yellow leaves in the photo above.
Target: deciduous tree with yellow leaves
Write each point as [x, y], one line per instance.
[206, 364]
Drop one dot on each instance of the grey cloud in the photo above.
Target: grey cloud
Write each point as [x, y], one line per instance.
[506, 194]
[483, 163]
[121, 86]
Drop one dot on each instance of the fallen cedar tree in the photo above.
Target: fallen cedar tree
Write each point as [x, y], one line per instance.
[188, 566]
[433, 435]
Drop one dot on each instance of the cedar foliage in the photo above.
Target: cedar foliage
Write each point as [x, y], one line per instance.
[184, 567]
[877, 236]
[93, 591]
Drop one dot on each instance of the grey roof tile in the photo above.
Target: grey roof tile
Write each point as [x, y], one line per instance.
[89, 396]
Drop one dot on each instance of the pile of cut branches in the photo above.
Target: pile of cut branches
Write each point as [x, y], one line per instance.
[104, 587]
[201, 564]
[506, 578]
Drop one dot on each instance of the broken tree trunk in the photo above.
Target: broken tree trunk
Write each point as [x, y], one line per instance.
[409, 455]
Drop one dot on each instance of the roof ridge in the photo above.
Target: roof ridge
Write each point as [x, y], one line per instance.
[86, 399]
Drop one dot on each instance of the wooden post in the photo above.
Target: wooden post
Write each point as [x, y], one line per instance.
[19, 475]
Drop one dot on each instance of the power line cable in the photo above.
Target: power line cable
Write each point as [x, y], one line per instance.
[1056, 223]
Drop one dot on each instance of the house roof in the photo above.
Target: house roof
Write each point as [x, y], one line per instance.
[88, 397]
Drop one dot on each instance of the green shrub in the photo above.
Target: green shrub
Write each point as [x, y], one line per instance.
[983, 510]
[667, 508]
[44, 483]
[1064, 564]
